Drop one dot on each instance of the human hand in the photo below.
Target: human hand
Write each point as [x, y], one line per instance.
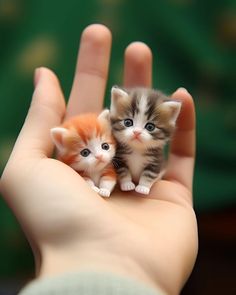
[69, 226]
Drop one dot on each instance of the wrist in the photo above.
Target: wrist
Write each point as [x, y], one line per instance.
[89, 282]
[56, 262]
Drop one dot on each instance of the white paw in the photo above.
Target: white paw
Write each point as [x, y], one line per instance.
[104, 192]
[141, 189]
[127, 186]
[96, 189]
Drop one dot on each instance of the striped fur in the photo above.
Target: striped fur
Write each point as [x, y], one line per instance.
[139, 156]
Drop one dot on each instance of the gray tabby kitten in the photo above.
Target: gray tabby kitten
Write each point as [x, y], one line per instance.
[142, 120]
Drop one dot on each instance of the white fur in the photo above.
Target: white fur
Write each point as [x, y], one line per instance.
[175, 107]
[90, 164]
[117, 94]
[104, 115]
[91, 183]
[141, 189]
[106, 187]
[136, 162]
[140, 118]
[127, 185]
[57, 135]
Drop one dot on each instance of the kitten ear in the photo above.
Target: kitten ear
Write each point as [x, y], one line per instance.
[118, 93]
[172, 109]
[104, 118]
[104, 115]
[57, 135]
[118, 98]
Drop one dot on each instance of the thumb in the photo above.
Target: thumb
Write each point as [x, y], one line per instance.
[46, 111]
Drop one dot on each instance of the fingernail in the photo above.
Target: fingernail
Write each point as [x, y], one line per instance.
[36, 76]
[183, 89]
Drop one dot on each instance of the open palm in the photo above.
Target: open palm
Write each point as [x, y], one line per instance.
[69, 226]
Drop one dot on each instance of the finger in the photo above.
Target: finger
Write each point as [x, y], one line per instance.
[182, 149]
[46, 111]
[90, 79]
[138, 65]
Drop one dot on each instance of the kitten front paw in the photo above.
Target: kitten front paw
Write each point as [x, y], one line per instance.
[127, 186]
[104, 192]
[96, 189]
[141, 189]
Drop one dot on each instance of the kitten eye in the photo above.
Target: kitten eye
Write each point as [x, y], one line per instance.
[150, 127]
[105, 146]
[128, 122]
[85, 152]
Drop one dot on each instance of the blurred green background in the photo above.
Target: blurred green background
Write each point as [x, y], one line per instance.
[193, 44]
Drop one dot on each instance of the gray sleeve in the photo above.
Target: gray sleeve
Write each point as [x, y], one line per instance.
[88, 283]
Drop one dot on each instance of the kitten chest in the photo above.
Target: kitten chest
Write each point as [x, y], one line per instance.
[95, 177]
[136, 162]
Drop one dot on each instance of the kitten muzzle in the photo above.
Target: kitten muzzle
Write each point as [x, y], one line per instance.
[136, 135]
[99, 158]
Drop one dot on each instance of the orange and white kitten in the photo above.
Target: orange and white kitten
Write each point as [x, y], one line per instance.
[86, 144]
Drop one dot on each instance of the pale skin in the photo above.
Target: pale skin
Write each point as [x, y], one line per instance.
[69, 226]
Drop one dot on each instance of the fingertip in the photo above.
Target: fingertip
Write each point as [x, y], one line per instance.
[182, 89]
[186, 120]
[97, 34]
[36, 76]
[138, 52]
[138, 65]
[182, 148]
[183, 95]
[44, 73]
[91, 73]
[47, 90]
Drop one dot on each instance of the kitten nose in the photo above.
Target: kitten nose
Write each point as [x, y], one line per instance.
[98, 157]
[137, 132]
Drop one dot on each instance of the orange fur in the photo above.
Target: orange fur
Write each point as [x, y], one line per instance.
[88, 131]
[87, 126]
[108, 173]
